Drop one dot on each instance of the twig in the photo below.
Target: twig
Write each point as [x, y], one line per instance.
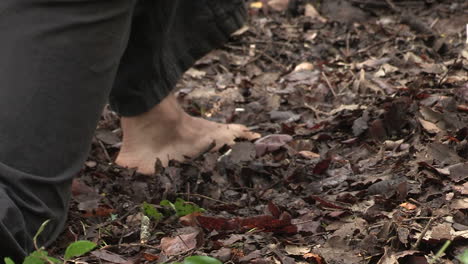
[416, 202]
[392, 5]
[269, 187]
[305, 222]
[329, 84]
[185, 244]
[316, 111]
[347, 44]
[423, 233]
[118, 219]
[449, 68]
[104, 150]
[371, 46]
[279, 64]
[131, 245]
[204, 197]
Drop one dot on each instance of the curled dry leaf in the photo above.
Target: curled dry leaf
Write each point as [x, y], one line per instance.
[305, 66]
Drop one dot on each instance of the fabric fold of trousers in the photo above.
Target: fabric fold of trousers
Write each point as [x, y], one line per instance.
[60, 62]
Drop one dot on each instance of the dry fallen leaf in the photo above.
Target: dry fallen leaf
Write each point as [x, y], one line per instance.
[408, 206]
[278, 5]
[304, 66]
[172, 246]
[310, 11]
[309, 154]
[429, 126]
[297, 250]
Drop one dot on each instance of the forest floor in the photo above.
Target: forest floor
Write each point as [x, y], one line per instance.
[363, 108]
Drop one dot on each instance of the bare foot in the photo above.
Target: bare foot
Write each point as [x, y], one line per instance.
[166, 132]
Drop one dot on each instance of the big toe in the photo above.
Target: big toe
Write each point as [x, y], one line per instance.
[242, 131]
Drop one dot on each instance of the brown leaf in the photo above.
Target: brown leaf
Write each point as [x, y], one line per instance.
[278, 5]
[107, 136]
[172, 246]
[190, 219]
[408, 206]
[310, 11]
[318, 259]
[459, 172]
[429, 126]
[304, 66]
[309, 154]
[271, 143]
[109, 256]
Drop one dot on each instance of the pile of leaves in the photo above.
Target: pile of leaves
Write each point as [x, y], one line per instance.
[363, 109]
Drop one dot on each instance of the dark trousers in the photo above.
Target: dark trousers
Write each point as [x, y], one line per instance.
[60, 62]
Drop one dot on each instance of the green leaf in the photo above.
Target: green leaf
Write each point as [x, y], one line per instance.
[184, 208]
[33, 260]
[167, 204]
[151, 211]
[8, 261]
[464, 257]
[36, 257]
[201, 260]
[78, 248]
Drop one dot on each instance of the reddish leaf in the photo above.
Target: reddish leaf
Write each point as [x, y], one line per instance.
[265, 223]
[274, 210]
[216, 223]
[101, 211]
[322, 166]
[150, 257]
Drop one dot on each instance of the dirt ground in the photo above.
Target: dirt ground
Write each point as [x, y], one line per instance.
[363, 108]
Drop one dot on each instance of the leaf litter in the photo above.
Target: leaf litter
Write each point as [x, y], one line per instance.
[362, 107]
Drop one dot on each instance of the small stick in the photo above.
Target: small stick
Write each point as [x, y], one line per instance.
[105, 151]
[183, 241]
[329, 84]
[204, 197]
[131, 245]
[423, 233]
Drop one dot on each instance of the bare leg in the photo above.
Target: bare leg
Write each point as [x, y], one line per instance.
[168, 132]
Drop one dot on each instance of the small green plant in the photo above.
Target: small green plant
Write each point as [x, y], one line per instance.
[199, 260]
[40, 256]
[151, 211]
[464, 257]
[181, 207]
